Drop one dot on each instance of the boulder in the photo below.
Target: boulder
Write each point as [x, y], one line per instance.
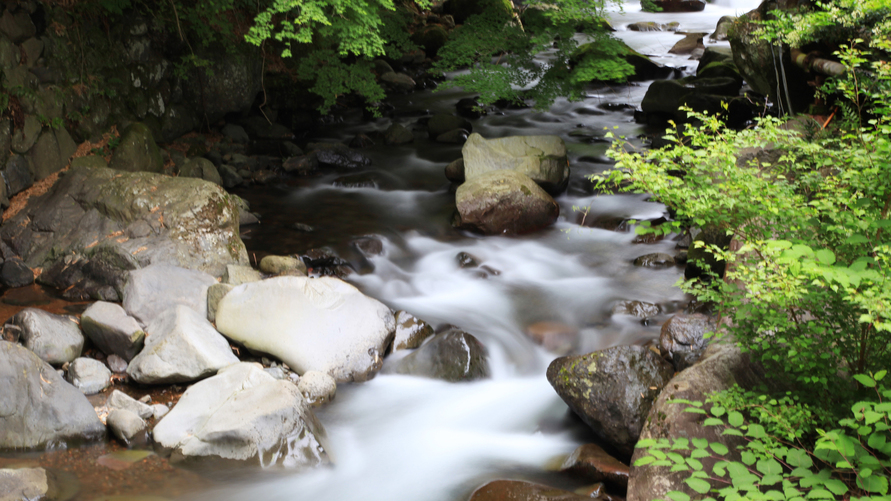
[454, 136]
[17, 27]
[504, 202]
[399, 81]
[14, 273]
[126, 426]
[228, 83]
[51, 152]
[431, 38]
[441, 123]
[453, 356]
[155, 289]
[238, 274]
[243, 413]
[89, 375]
[461, 10]
[410, 331]
[121, 401]
[337, 155]
[722, 29]
[721, 367]
[317, 388]
[612, 390]
[24, 483]
[114, 332]
[137, 151]
[276, 265]
[17, 173]
[682, 339]
[37, 407]
[644, 68]
[95, 225]
[201, 168]
[688, 44]
[638, 309]
[666, 96]
[542, 158]
[322, 324]
[181, 347]
[517, 490]
[54, 338]
[454, 171]
[398, 134]
[596, 465]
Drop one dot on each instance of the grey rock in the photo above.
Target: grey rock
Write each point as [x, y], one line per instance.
[23, 484]
[682, 339]
[399, 81]
[230, 176]
[137, 151]
[455, 136]
[17, 173]
[24, 138]
[612, 390]
[688, 44]
[237, 275]
[337, 155]
[398, 134]
[441, 123]
[317, 388]
[410, 331]
[722, 29]
[654, 260]
[542, 158]
[181, 346]
[276, 265]
[157, 288]
[51, 153]
[261, 128]
[159, 411]
[638, 309]
[37, 407]
[453, 356]
[382, 67]
[114, 332]
[54, 338]
[33, 48]
[201, 168]
[17, 27]
[454, 171]
[89, 375]
[236, 133]
[322, 324]
[215, 293]
[14, 272]
[243, 413]
[116, 364]
[721, 367]
[121, 401]
[126, 426]
[236, 81]
[89, 161]
[504, 202]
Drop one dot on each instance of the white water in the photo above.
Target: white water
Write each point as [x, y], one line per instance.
[406, 438]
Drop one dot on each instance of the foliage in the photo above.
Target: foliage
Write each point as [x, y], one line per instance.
[852, 462]
[807, 291]
[829, 21]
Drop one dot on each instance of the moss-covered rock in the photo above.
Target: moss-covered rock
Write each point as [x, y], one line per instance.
[137, 151]
[461, 10]
[431, 38]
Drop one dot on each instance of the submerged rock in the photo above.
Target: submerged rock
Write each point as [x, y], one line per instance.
[410, 331]
[243, 413]
[611, 390]
[504, 202]
[322, 324]
[37, 407]
[453, 356]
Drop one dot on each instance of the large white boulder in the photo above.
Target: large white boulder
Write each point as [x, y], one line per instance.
[243, 413]
[312, 324]
[542, 158]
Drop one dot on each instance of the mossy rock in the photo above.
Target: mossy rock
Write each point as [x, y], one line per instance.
[719, 69]
[431, 38]
[461, 10]
[644, 67]
[137, 151]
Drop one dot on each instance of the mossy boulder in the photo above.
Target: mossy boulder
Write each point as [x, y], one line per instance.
[201, 168]
[666, 96]
[431, 38]
[461, 10]
[51, 152]
[644, 68]
[504, 202]
[137, 151]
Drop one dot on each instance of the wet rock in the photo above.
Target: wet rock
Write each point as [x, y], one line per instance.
[682, 338]
[680, 5]
[454, 171]
[441, 123]
[325, 261]
[470, 107]
[14, 273]
[646, 26]
[121, 401]
[721, 366]
[371, 180]
[137, 151]
[301, 165]
[369, 245]
[24, 484]
[504, 201]
[554, 336]
[264, 176]
[410, 331]
[77, 232]
[54, 338]
[109, 327]
[666, 96]
[596, 465]
[237, 275]
[542, 158]
[276, 265]
[688, 44]
[466, 260]
[230, 176]
[337, 155]
[201, 168]
[655, 260]
[453, 356]
[126, 426]
[215, 294]
[317, 388]
[181, 346]
[37, 407]
[398, 134]
[644, 68]
[399, 81]
[722, 29]
[431, 38]
[89, 375]
[321, 324]
[155, 289]
[516, 490]
[612, 390]
[638, 309]
[243, 413]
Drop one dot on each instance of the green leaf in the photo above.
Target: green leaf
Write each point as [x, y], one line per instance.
[756, 431]
[819, 494]
[836, 486]
[718, 411]
[700, 443]
[698, 485]
[771, 479]
[798, 457]
[748, 458]
[699, 453]
[713, 422]
[677, 496]
[644, 461]
[874, 483]
[865, 380]
[769, 467]
[735, 419]
[719, 448]
[826, 256]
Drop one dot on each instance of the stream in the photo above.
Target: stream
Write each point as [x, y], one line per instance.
[401, 437]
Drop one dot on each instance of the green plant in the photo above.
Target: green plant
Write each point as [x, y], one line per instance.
[852, 462]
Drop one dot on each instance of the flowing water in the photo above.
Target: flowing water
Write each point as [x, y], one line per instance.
[400, 437]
